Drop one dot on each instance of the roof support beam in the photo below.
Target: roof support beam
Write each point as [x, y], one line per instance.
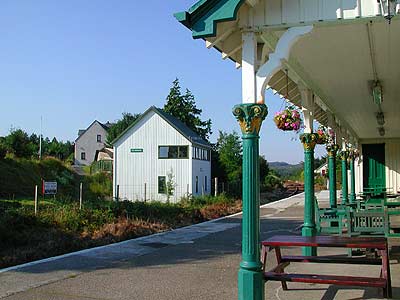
[230, 53]
[220, 38]
[249, 62]
[307, 106]
[252, 3]
[281, 53]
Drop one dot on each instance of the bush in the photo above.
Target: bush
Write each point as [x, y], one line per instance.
[272, 182]
[3, 151]
[98, 186]
[201, 201]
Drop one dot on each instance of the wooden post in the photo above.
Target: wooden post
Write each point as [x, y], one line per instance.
[80, 195]
[202, 189]
[117, 192]
[223, 187]
[216, 187]
[36, 199]
[145, 192]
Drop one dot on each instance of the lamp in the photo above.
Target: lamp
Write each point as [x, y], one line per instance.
[380, 118]
[377, 92]
[381, 131]
[388, 8]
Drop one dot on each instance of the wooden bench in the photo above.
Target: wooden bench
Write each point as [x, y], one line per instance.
[329, 220]
[278, 273]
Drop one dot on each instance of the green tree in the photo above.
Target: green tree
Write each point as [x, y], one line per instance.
[229, 148]
[18, 143]
[264, 168]
[3, 148]
[116, 129]
[183, 107]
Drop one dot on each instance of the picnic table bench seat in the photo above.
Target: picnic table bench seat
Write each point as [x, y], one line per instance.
[278, 272]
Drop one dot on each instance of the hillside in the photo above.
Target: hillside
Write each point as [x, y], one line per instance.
[18, 177]
[285, 169]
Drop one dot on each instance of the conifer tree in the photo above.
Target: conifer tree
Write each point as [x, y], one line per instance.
[183, 107]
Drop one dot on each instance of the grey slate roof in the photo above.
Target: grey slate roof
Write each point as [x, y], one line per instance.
[175, 123]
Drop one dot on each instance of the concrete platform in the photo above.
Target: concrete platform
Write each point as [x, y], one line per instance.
[196, 262]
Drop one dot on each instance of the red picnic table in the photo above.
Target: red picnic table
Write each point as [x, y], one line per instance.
[278, 274]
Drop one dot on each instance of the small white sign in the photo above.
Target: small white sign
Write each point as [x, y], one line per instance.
[49, 187]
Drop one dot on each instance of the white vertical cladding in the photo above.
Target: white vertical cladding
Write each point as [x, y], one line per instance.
[201, 171]
[115, 161]
[274, 12]
[392, 162]
[135, 170]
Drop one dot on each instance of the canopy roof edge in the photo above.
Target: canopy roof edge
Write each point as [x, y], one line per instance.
[204, 15]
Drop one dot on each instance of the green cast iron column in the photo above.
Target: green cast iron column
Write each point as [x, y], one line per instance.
[345, 197]
[332, 150]
[250, 279]
[309, 228]
[352, 177]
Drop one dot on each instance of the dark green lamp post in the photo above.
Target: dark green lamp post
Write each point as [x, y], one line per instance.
[250, 279]
[309, 141]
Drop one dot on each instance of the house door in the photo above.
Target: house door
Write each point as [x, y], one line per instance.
[374, 165]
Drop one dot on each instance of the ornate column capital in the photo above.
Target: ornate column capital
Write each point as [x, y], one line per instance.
[332, 149]
[309, 140]
[344, 154]
[250, 117]
[353, 154]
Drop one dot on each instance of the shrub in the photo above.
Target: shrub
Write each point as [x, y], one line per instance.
[3, 151]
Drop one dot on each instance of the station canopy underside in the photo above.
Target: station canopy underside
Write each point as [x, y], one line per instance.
[339, 61]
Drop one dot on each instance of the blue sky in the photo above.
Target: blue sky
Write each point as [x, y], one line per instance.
[75, 61]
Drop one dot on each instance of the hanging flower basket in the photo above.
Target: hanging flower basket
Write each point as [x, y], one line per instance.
[322, 135]
[288, 119]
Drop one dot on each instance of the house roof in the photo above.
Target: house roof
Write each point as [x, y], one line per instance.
[105, 126]
[177, 124]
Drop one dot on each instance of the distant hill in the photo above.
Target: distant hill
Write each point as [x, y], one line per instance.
[284, 169]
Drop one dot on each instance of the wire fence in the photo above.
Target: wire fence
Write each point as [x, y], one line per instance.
[175, 193]
[101, 166]
[152, 192]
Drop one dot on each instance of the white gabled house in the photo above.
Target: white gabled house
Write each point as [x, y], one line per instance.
[89, 141]
[158, 151]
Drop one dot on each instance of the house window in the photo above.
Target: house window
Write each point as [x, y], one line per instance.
[197, 184]
[83, 155]
[201, 154]
[173, 152]
[162, 185]
[205, 183]
[99, 138]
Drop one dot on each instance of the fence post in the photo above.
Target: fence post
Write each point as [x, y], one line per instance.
[117, 195]
[216, 187]
[223, 187]
[36, 199]
[145, 192]
[202, 189]
[187, 189]
[80, 195]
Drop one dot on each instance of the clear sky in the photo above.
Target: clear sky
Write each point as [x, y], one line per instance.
[75, 61]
